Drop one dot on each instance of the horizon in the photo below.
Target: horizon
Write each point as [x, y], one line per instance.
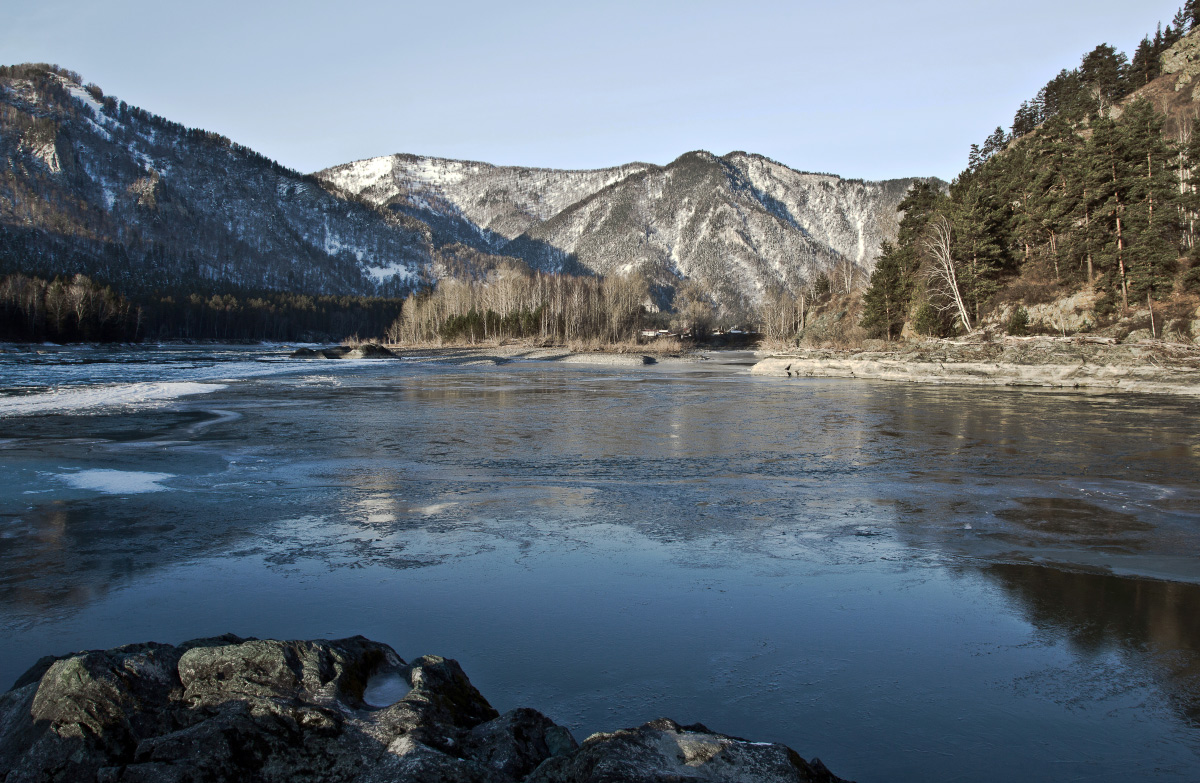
[481, 97]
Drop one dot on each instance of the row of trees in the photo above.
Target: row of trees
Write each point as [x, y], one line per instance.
[70, 310]
[77, 309]
[273, 316]
[513, 303]
[1104, 77]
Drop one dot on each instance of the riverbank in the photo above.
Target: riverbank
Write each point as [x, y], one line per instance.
[1051, 362]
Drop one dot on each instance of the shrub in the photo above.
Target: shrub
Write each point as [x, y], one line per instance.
[1018, 322]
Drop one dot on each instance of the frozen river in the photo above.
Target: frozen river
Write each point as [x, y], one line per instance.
[912, 583]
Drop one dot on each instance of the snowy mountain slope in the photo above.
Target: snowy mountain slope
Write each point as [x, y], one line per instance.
[468, 201]
[739, 225]
[91, 185]
[851, 216]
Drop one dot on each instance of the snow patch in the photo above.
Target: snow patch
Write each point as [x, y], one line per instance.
[382, 274]
[47, 153]
[86, 98]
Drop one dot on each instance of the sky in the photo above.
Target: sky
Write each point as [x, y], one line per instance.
[872, 90]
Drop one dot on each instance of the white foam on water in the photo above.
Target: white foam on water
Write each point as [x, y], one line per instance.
[117, 482]
[70, 399]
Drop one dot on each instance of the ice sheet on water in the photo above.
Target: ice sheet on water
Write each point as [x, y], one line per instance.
[117, 482]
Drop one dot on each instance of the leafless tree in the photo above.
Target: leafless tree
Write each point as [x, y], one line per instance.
[943, 274]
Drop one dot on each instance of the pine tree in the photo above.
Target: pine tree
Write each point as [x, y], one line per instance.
[1132, 193]
[1145, 67]
[886, 302]
[890, 292]
[1154, 215]
[1025, 121]
[978, 216]
[1103, 71]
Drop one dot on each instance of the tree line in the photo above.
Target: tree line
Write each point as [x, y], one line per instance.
[516, 303]
[1081, 192]
[78, 309]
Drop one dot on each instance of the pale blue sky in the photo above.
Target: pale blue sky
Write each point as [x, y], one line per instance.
[861, 89]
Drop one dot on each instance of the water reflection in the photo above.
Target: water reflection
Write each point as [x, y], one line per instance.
[1152, 621]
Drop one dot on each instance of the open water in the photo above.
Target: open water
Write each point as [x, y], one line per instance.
[910, 582]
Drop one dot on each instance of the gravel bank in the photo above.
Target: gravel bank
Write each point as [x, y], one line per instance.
[1070, 363]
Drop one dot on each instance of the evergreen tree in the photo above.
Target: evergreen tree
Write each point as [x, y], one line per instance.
[886, 302]
[1103, 71]
[978, 216]
[1145, 67]
[1025, 121]
[1132, 192]
[892, 285]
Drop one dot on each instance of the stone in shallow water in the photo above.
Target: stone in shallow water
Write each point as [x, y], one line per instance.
[228, 708]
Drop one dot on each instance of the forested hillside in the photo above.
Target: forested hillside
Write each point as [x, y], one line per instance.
[1080, 216]
[118, 224]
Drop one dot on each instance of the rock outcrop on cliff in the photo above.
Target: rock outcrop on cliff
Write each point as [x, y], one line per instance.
[228, 708]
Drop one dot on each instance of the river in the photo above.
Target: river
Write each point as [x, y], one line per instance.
[909, 582]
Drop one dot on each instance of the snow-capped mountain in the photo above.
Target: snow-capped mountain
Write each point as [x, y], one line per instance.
[739, 225]
[470, 202]
[92, 185]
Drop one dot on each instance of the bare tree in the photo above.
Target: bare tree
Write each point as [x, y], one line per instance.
[943, 275]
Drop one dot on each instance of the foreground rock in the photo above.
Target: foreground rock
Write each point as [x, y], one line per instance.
[1073, 363]
[227, 708]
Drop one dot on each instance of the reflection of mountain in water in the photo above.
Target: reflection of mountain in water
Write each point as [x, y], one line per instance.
[1154, 621]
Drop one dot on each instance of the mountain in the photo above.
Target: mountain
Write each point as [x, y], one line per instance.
[91, 185]
[473, 203]
[738, 225]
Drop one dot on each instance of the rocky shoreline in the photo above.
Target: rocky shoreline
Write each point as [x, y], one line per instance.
[228, 708]
[1063, 363]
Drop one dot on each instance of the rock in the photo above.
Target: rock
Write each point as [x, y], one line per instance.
[364, 351]
[1183, 60]
[228, 708]
[1138, 336]
[663, 750]
[649, 360]
[370, 351]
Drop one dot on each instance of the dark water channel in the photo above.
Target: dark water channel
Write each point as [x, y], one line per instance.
[912, 583]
